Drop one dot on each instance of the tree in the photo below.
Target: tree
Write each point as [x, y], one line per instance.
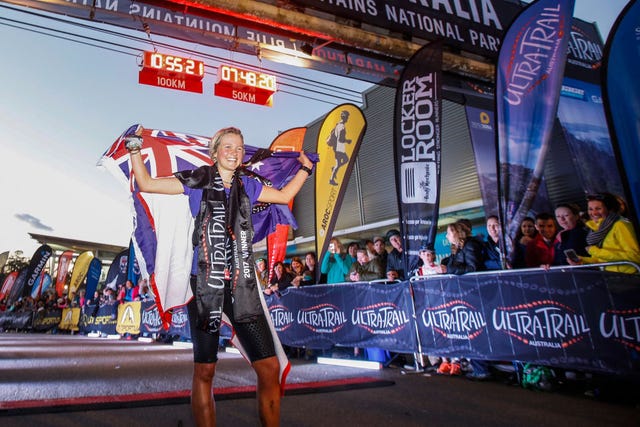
[15, 262]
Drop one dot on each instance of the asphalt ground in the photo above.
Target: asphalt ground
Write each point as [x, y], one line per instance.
[62, 380]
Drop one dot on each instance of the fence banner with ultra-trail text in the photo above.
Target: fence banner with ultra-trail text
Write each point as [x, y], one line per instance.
[417, 137]
[359, 314]
[578, 319]
[572, 318]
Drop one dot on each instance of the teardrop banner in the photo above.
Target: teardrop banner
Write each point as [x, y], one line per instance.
[338, 144]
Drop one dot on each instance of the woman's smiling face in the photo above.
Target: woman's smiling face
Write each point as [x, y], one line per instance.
[230, 152]
[597, 210]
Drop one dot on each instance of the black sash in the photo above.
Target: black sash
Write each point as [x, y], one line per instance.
[224, 233]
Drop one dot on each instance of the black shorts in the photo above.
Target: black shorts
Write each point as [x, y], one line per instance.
[254, 336]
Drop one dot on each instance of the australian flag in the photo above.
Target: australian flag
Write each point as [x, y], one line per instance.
[163, 224]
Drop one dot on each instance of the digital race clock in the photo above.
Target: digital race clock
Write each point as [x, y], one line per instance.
[245, 85]
[173, 64]
[172, 72]
[256, 79]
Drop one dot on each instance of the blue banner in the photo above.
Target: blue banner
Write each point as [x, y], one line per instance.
[528, 79]
[180, 322]
[622, 101]
[103, 318]
[580, 319]
[133, 269]
[583, 320]
[93, 276]
[359, 314]
[150, 320]
[41, 285]
[117, 273]
[584, 125]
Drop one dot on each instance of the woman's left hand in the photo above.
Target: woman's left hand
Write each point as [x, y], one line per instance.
[305, 160]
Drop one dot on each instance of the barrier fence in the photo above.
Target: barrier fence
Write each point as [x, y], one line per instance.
[583, 319]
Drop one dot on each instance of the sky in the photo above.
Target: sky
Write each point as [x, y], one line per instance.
[62, 104]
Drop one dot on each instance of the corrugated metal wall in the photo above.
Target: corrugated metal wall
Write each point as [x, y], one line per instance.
[371, 193]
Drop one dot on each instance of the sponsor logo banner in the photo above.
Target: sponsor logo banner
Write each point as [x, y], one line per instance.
[528, 80]
[70, 319]
[580, 320]
[338, 144]
[80, 269]
[63, 269]
[129, 318]
[417, 137]
[36, 267]
[364, 315]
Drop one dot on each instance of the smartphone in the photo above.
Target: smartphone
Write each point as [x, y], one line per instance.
[572, 255]
[331, 247]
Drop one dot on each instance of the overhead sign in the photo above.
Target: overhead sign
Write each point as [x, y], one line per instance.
[475, 26]
[209, 30]
[171, 72]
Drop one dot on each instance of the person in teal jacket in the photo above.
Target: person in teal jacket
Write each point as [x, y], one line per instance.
[336, 262]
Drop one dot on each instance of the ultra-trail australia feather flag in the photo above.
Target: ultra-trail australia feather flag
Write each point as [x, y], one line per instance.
[528, 81]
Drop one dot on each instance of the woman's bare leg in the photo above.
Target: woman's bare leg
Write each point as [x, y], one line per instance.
[202, 405]
[268, 392]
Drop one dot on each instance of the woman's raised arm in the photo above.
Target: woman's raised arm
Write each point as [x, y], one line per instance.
[168, 185]
[284, 196]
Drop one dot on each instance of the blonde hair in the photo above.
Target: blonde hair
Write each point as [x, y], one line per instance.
[217, 138]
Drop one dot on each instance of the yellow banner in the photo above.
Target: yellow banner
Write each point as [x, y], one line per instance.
[70, 319]
[338, 144]
[129, 318]
[80, 268]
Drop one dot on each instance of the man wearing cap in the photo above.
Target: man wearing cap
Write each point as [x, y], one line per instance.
[428, 257]
[394, 259]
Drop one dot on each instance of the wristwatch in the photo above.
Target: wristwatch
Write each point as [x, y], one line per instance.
[306, 169]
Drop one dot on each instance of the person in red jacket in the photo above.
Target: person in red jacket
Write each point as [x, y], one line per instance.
[541, 250]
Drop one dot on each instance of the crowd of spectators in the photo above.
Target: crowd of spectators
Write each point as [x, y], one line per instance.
[566, 237]
[49, 300]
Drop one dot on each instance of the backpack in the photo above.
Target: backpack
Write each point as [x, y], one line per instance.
[332, 140]
[537, 377]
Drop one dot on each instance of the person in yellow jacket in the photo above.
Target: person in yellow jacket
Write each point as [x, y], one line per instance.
[611, 237]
